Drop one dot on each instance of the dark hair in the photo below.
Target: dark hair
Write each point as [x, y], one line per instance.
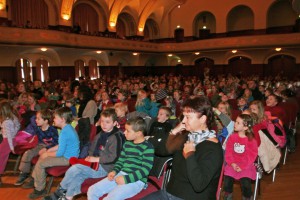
[249, 122]
[109, 112]
[46, 114]
[65, 113]
[137, 124]
[277, 98]
[202, 106]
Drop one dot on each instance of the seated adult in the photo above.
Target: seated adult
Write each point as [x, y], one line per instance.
[197, 155]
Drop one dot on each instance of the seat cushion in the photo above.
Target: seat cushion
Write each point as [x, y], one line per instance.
[57, 170]
[88, 182]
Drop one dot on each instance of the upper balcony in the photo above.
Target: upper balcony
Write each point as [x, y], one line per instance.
[53, 38]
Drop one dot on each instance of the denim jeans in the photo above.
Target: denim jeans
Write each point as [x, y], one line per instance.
[115, 191]
[76, 175]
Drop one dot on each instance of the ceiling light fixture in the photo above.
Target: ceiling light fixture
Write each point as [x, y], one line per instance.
[234, 51]
[44, 49]
[278, 49]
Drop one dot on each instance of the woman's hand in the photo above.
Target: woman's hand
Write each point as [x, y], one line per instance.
[180, 127]
[189, 148]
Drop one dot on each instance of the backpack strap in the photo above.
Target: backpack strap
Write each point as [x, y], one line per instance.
[266, 132]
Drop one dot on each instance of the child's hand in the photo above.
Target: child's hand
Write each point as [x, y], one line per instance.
[44, 155]
[43, 150]
[120, 180]
[92, 159]
[118, 125]
[236, 167]
[111, 175]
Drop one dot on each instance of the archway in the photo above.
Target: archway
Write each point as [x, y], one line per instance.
[240, 18]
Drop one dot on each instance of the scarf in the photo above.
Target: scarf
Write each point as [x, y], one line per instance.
[101, 142]
[199, 137]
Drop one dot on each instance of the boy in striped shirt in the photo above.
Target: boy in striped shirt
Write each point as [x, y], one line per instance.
[130, 173]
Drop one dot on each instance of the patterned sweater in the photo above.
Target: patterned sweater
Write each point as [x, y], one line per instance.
[136, 160]
[9, 129]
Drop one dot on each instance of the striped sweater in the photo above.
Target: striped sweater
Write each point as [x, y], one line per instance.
[136, 160]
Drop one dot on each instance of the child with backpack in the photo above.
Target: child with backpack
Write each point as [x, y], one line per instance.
[240, 154]
[130, 173]
[47, 137]
[59, 155]
[103, 153]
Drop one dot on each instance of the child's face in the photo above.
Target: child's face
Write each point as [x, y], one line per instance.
[97, 97]
[121, 96]
[222, 108]
[242, 102]
[162, 116]
[68, 104]
[152, 96]
[254, 108]
[120, 112]
[40, 121]
[30, 100]
[130, 134]
[107, 123]
[239, 125]
[59, 121]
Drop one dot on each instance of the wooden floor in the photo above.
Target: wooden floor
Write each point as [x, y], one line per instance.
[285, 187]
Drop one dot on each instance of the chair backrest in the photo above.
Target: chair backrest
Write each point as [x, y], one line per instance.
[160, 169]
[93, 132]
[218, 194]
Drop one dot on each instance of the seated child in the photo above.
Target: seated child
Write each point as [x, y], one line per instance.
[47, 138]
[242, 104]
[70, 103]
[130, 173]
[103, 152]
[159, 130]
[121, 110]
[240, 154]
[59, 155]
[9, 126]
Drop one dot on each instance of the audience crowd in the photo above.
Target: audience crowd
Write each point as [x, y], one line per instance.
[188, 119]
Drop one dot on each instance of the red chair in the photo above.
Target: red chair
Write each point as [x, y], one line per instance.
[157, 180]
[235, 114]
[58, 171]
[233, 104]
[219, 190]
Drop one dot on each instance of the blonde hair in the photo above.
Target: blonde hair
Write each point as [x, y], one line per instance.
[122, 106]
[227, 107]
[139, 101]
[261, 110]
